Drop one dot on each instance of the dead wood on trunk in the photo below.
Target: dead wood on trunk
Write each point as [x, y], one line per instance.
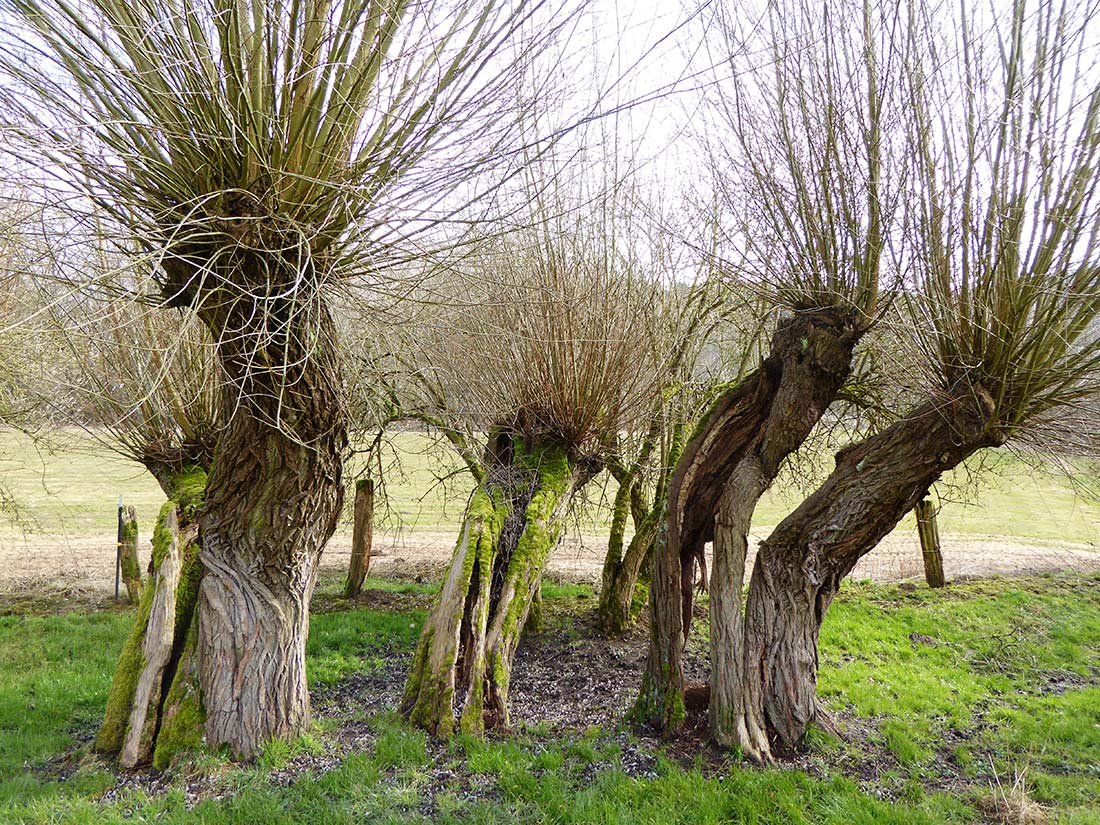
[463, 661]
[143, 721]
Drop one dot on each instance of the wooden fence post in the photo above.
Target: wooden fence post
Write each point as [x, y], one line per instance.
[361, 537]
[930, 543]
[128, 554]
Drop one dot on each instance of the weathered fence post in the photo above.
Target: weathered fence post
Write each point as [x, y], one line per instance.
[118, 547]
[930, 543]
[361, 537]
[129, 565]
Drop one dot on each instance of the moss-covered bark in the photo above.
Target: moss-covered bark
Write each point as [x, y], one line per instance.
[463, 661]
[152, 712]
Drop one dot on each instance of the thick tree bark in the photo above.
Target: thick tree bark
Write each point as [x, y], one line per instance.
[463, 661]
[800, 566]
[272, 500]
[728, 463]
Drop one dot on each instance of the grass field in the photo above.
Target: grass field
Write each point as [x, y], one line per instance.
[976, 704]
[70, 486]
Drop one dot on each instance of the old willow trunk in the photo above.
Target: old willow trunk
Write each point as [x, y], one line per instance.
[463, 661]
[800, 566]
[272, 501]
[154, 709]
[727, 464]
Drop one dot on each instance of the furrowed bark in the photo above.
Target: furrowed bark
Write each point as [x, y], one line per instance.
[811, 357]
[725, 467]
[464, 656]
[800, 566]
[272, 501]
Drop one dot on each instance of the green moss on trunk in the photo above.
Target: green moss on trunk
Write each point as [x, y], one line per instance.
[181, 727]
[465, 651]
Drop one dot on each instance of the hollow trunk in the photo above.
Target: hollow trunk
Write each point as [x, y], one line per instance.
[151, 713]
[800, 566]
[463, 661]
[128, 555]
[362, 533]
[929, 535]
[728, 463]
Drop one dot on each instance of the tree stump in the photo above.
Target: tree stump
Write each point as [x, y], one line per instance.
[930, 543]
[362, 538]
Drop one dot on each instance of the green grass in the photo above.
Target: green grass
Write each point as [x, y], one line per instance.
[960, 688]
[72, 489]
[977, 662]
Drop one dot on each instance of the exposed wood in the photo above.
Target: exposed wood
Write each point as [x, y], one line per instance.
[361, 537]
[156, 651]
[464, 657]
[728, 463]
[929, 534]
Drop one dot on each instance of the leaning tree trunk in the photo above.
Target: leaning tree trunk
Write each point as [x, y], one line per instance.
[728, 463]
[463, 661]
[800, 566]
[154, 708]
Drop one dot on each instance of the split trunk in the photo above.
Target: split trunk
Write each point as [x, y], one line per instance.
[727, 465]
[154, 709]
[463, 661]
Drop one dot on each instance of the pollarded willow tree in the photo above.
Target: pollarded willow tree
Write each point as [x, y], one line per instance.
[807, 171]
[554, 351]
[1001, 313]
[249, 158]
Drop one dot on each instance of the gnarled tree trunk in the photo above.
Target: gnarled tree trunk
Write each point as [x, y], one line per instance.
[464, 658]
[728, 463]
[272, 502]
[236, 672]
[800, 566]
